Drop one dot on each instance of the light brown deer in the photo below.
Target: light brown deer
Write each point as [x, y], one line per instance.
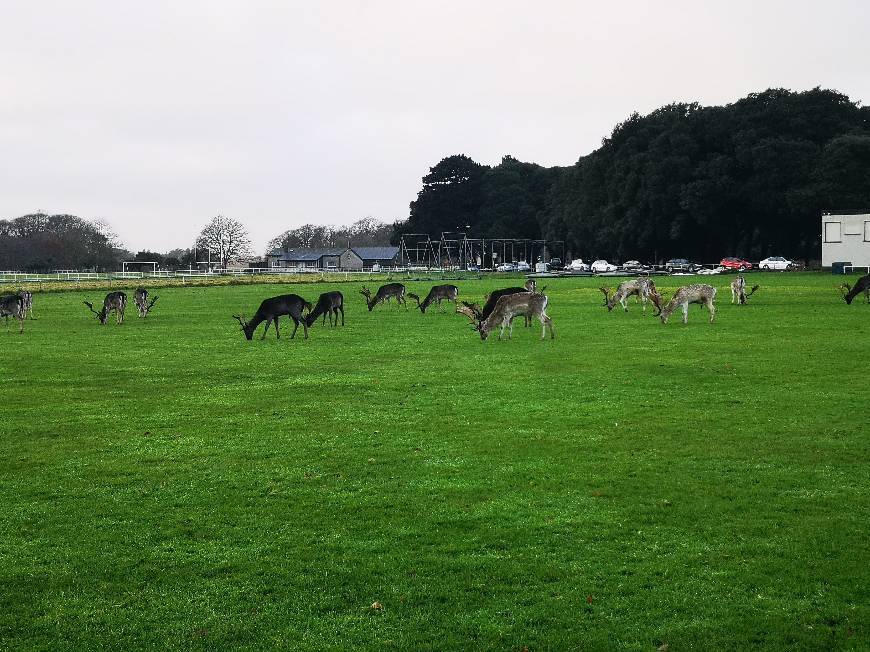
[508, 307]
[643, 289]
[696, 293]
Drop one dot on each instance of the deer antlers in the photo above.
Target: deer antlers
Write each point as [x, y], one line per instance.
[607, 292]
[415, 297]
[91, 306]
[472, 312]
[242, 321]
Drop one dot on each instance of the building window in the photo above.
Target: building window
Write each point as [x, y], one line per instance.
[832, 232]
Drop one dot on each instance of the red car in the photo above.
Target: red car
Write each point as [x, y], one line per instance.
[735, 263]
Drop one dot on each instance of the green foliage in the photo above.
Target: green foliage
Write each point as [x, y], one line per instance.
[748, 179]
[41, 242]
[167, 484]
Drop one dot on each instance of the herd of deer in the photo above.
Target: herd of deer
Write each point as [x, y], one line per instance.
[499, 309]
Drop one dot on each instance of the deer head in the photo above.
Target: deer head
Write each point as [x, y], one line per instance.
[531, 285]
[844, 289]
[244, 324]
[102, 315]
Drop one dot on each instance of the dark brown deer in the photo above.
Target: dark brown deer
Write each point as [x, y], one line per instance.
[509, 306]
[862, 285]
[12, 305]
[140, 297]
[385, 293]
[329, 304]
[696, 293]
[436, 295]
[643, 289]
[271, 310]
[116, 301]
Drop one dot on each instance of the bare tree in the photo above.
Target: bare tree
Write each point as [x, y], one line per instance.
[226, 238]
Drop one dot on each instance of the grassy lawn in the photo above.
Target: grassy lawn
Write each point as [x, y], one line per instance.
[167, 484]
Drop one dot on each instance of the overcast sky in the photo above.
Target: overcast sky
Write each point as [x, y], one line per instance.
[155, 116]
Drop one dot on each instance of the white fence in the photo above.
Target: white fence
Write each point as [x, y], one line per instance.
[13, 277]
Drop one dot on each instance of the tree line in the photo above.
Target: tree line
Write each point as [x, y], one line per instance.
[747, 179]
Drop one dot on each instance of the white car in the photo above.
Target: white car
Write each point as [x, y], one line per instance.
[578, 265]
[506, 267]
[523, 266]
[776, 262]
[600, 266]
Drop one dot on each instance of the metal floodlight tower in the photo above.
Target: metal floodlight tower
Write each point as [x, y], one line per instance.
[417, 250]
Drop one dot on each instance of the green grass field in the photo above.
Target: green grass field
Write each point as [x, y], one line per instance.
[167, 484]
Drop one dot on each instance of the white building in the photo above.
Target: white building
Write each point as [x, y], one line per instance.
[846, 239]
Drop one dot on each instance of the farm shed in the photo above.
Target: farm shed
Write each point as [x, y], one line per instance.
[846, 238]
[366, 257]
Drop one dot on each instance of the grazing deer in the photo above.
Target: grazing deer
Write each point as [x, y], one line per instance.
[140, 298]
[509, 306]
[116, 301]
[696, 293]
[436, 295]
[385, 293]
[271, 310]
[329, 304]
[493, 297]
[738, 290]
[862, 285]
[27, 302]
[643, 289]
[12, 305]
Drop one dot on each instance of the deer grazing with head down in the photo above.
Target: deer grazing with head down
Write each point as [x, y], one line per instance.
[12, 305]
[116, 301]
[140, 298]
[643, 289]
[329, 304]
[437, 294]
[738, 290]
[696, 293]
[271, 310]
[862, 285]
[385, 293]
[492, 299]
[509, 306]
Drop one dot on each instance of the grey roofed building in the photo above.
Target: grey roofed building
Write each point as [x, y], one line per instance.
[365, 257]
[311, 258]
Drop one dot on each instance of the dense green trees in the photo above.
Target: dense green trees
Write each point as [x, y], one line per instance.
[40, 242]
[747, 179]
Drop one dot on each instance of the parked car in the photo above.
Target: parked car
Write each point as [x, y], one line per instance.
[735, 263]
[633, 265]
[577, 265]
[600, 266]
[523, 266]
[506, 267]
[776, 262]
[681, 265]
[555, 263]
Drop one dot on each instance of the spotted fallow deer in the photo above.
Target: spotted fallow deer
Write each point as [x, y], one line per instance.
[508, 307]
[696, 293]
[140, 298]
[738, 290]
[643, 289]
[862, 285]
[384, 293]
[27, 302]
[437, 294]
[271, 310]
[116, 301]
[12, 305]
